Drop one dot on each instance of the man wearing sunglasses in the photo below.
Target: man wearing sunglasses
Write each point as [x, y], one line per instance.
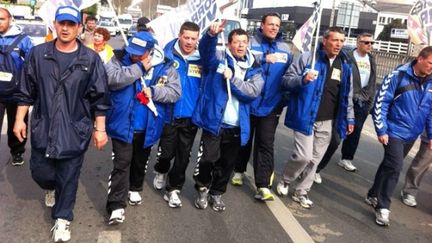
[364, 79]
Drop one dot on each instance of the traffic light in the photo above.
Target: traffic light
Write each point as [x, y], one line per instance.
[32, 3]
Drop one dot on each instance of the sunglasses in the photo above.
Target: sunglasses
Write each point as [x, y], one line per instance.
[368, 42]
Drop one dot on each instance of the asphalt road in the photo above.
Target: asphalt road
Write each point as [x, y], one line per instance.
[339, 215]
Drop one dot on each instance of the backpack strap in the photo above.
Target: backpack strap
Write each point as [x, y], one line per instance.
[15, 43]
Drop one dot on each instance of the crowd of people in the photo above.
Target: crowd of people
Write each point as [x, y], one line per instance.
[83, 91]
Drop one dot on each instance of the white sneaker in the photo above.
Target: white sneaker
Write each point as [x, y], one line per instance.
[282, 188]
[61, 231]
[408, 199]
[117, 216]
[318, 179]
[347, 165]
[159, 180]
[49, 198]
[303, 200]
[382, 216]
[134, 198]
[237, 179]
[173, 199]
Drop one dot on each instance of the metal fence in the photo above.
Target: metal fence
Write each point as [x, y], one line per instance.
[387, 62]
[384, 46]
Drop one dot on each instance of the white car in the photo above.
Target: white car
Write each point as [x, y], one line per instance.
[112, 29]
[37, 30]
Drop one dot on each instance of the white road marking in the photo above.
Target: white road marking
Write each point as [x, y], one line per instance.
[283, 215]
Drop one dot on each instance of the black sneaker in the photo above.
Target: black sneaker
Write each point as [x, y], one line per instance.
[217, 203]
[17, 159]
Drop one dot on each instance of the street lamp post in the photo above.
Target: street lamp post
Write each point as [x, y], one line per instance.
[333, 10]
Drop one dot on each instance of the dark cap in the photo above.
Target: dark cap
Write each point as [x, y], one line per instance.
[142, 22]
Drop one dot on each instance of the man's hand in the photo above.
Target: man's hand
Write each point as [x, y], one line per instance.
[228, 73]
[350, 129]
[216, 27]
[20, 130]
[271, 58]
[147, 63]
[100, 138]
[147, 92]
[310, 76]
[383, 139]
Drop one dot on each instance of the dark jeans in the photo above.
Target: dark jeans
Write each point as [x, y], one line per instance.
[350, 144]
[14, 144]
[60, 175]
[176, 142]
[130, 161]
[388, 172]
[216, 159]
[264, 129]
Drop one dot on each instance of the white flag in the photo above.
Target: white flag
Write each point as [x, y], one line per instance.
[167, 26]
[419, 23]
[303, 38]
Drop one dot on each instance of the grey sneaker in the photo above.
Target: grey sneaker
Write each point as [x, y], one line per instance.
[201, 201]
[303, 200]
[49, 198]
[408, 199]
[372, 201]
[382, 217]
[217, 203]
[173, 199]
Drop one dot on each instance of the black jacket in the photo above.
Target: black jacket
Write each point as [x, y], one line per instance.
[367, 93]
[64, 103]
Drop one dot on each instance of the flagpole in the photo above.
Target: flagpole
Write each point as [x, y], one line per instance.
[317, 36]
[226, 66]
[117, 21]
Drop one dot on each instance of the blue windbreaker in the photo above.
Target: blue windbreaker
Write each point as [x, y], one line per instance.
[305, 99]
[124, 82]
[403, 116]
[213, 99]
[271, 94]
[189, 72]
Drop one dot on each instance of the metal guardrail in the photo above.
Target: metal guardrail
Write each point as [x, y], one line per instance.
[387, 62]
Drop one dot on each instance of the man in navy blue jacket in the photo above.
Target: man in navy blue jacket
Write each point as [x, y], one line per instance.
[402, 110]
[67, 85]
[179, 131]
[224, 119]
[274, 56]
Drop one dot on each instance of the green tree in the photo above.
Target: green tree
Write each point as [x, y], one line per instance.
[386, 32]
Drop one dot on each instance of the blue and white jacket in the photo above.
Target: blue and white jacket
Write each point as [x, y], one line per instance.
[271, 94]
[19, 54]
[305, 99]
[212, 102]
[189, 71]
[403, 114]
[124, 83]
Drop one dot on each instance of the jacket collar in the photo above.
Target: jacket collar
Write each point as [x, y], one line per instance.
[83, 53]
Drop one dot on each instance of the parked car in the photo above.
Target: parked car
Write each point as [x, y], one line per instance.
[132, 31]
[112, 29]
[37, 30]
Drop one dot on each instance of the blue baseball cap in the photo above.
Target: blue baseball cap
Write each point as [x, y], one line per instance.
[68, 13]
[140, 43]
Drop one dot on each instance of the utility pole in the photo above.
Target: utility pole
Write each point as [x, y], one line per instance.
[332, 14]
